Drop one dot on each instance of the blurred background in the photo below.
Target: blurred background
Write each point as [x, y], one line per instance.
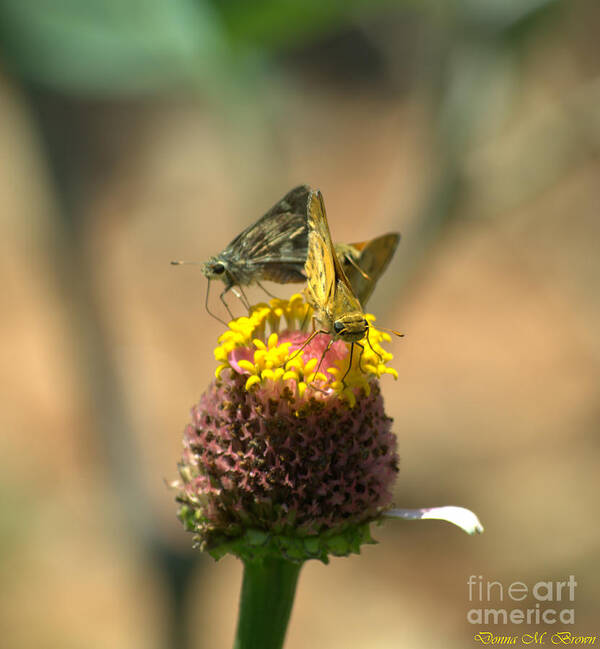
[136, 132]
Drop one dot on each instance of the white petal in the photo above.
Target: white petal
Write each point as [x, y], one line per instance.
[463, 518]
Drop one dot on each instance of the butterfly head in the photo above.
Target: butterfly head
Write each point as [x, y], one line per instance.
[351, 328]
[215, 268]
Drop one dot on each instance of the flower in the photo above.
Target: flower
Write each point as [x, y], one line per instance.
[289, 452]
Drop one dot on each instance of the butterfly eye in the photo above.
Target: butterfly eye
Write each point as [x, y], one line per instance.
[218, 268]
[338, 327]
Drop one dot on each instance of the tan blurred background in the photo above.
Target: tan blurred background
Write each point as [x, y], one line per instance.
[136, 133]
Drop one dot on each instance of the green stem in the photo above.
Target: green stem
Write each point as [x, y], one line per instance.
[268, 591]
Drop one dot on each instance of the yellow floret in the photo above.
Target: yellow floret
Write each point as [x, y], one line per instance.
[247, 365]
[252, 380]
[220, 368]
[310, 365]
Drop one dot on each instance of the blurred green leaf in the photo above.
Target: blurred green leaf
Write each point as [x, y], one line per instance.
[501, 15]
[111, 46]
[284, 24]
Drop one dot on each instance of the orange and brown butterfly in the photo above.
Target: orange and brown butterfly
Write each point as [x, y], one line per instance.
[337, 309]
[364, 263]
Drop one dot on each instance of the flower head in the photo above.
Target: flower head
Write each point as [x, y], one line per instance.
[269, 347]
[282, 455]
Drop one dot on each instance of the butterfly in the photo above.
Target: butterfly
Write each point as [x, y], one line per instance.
[337, 309]
[365, 262]
[273, 248]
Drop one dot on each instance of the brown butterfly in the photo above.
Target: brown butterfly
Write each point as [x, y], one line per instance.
[365, 262]
[328, 291]
[274, 249]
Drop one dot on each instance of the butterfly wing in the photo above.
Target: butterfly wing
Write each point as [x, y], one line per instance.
[285, 222]
[328, 289]
[320, 268]
[365, 262]
[295, 201]
[275, 246]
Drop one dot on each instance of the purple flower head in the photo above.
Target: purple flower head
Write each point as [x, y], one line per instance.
[281, 455]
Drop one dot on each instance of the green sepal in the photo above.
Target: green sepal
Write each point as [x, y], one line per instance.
[257, 545]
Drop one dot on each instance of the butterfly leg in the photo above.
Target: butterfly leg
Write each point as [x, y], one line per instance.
[265, 290]
[239, 292]
[362, 349]
[222, 296]
[323, 355]
[214, 315]
[312, 384]
[349, 364]
[375, 352]
[312, 335]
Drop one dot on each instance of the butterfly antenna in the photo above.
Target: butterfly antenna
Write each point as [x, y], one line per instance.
[178, 262]
[392, 331]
